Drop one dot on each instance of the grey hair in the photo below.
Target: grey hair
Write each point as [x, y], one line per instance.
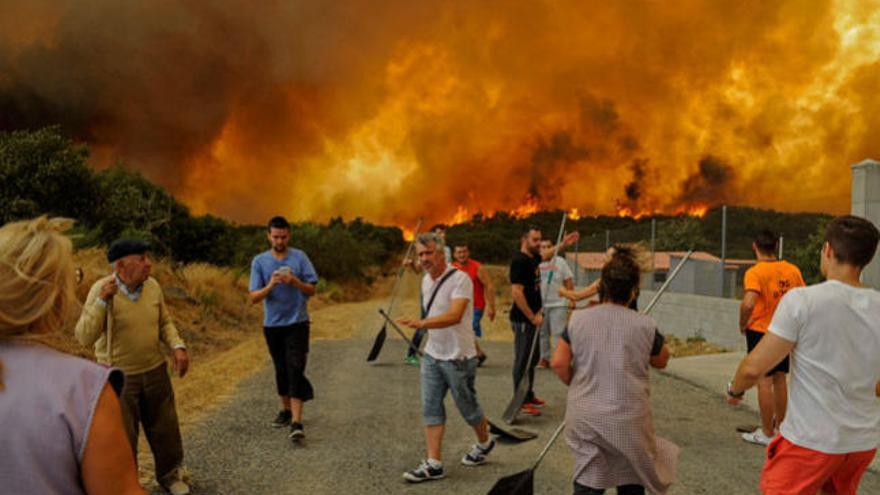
[425, 237]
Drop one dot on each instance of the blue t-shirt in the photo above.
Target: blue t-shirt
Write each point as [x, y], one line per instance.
[285, 305]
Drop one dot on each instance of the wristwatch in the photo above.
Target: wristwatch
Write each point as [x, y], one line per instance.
[731, 393]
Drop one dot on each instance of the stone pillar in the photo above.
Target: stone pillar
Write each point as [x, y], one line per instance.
[866, 203]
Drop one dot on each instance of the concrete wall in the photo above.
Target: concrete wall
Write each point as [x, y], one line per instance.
[866, 203]
[702, 277]
[687, 315]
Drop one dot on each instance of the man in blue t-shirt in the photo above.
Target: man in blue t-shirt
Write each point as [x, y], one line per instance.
[283, 279]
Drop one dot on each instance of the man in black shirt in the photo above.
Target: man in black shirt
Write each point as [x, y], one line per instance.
[525, 315]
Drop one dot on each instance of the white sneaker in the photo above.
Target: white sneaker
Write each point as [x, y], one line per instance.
[178, 487]
[478, 454]
[175, 482]
[757, 437]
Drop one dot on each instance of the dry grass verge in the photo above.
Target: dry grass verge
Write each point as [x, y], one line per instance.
[692, 346]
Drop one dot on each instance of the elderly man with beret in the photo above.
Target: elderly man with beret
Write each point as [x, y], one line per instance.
[126, 320]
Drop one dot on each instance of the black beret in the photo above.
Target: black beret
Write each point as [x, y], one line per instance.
[124, 247]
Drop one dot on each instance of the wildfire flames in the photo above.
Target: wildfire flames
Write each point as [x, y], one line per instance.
[698, 210]
[445, 109]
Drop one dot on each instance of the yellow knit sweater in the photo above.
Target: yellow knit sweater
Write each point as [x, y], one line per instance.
[136, 328]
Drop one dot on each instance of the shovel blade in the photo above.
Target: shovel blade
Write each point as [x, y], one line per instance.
[377, 345]
[511, 433]
[522, 389]
[521, 483]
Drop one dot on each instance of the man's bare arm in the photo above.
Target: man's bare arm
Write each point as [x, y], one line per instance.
[568, 240]
[260, 294]
[517, 291]
[457, 307]
[750, 299]
[305, 288]
[579, 295]
[488, 290]
[768, 353]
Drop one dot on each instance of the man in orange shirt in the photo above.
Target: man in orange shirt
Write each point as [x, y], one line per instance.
[765, 284]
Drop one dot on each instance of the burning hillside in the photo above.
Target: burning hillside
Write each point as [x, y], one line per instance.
[394, 109]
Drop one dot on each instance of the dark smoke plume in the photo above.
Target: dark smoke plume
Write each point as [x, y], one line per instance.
[389, 109]
[710, 184]
[633, 190]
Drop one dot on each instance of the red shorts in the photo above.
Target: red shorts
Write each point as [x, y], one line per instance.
[794, 470]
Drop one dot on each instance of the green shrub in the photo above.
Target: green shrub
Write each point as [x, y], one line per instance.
[43, 172]
[806, 255]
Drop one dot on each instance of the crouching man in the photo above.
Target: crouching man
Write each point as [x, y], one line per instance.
[450, 358]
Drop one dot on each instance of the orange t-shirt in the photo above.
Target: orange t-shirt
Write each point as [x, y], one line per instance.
[771, 280]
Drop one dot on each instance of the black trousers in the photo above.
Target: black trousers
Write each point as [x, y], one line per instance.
[523, 336]
[580, 489]
[289, 347]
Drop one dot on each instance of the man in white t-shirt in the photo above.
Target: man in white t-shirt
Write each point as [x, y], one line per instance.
[440, 231]
[832, 330]
[555, 275]
[449, 362]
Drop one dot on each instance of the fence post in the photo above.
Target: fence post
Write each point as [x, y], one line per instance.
[653, 251]
[723, 247]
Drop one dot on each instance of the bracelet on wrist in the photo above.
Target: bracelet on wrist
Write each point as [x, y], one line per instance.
[732, 393]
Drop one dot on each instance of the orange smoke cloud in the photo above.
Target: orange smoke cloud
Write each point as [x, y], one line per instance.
[445, 110]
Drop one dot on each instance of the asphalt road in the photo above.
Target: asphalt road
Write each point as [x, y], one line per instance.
[364, 430]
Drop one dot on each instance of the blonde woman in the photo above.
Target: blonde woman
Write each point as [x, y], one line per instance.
[60, 418]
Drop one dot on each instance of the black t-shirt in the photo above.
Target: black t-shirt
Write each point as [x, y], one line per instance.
[525, 270]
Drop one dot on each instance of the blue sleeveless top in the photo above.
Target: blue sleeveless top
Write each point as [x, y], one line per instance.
[46, 412]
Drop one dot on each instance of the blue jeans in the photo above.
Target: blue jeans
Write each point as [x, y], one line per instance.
[478, 315]
[457, 376]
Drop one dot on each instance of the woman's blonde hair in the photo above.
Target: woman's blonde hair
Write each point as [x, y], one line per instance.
[36, 277]
[638, 252]
[622, 273]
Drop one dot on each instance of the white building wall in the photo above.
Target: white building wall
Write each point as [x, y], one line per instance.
[866, 203]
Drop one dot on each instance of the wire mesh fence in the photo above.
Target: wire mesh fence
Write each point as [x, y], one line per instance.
[722, 240]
